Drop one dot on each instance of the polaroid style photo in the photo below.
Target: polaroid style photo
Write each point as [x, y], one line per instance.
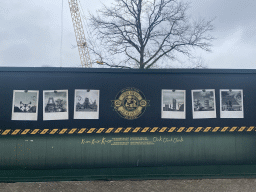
[173, 104]
[203, 103]
[55, 105]
[86, 105]
[231, 103]
[25, 105]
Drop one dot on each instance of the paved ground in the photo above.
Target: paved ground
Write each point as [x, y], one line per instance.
[208, 185]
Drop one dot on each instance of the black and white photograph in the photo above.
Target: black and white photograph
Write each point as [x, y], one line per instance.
[231, 103]
[25, 105]
[55, 105]
[173, 104]
[203, 103]
[86, 105]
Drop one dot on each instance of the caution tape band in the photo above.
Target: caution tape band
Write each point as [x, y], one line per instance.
[70, 131]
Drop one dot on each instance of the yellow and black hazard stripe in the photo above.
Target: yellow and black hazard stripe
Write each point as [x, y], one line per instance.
[70, 131]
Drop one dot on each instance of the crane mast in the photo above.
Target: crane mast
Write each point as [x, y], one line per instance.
[79, 32]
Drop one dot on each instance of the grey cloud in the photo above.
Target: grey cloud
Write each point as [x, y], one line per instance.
[30, 32]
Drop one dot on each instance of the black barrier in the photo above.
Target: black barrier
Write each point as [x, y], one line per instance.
[131, 126]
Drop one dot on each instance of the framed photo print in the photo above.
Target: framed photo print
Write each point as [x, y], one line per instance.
[86, 105]
[173, 104]
[55, 105]
[231, 103]
[25, 105]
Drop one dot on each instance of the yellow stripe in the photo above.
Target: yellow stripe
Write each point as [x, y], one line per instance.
[6, 131]
[63, 131]
[163, 129]
[72, 131]
[250, 128]
[145, 129]
[109, 130]
[91, 130]
[207, 129]
[181, 129]
[35, 131]
[25, 132]
[82, 130]
[190, 129]
[232, 129]
[44, 131]
[172, 129]
[241, 129]
[15, 132]
[127, 129]
[136, 130]
[215, 129]
[100, 130]
[54, 131]
[224, 129]
[154, 129]
[198, 129]
[118, 129]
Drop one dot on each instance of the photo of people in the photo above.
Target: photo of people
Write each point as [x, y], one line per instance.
[25, 105]
[173, 104]
[86, 105]
[203, 102]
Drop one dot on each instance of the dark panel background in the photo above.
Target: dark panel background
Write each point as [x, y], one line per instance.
[111, 82]
[66, 151]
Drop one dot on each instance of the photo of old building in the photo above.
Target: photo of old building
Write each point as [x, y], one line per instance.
[86, 104]
[55, 102]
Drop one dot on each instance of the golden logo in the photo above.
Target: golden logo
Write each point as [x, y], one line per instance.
[130, 103]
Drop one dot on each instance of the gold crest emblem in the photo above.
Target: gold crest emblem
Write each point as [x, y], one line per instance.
[130, 103]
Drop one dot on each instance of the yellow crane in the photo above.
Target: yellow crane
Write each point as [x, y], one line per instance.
[79, 32]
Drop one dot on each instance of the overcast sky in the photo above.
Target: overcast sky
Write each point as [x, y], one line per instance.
[30, 32]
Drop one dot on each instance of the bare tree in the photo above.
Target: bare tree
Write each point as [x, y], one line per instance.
[140, 33]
